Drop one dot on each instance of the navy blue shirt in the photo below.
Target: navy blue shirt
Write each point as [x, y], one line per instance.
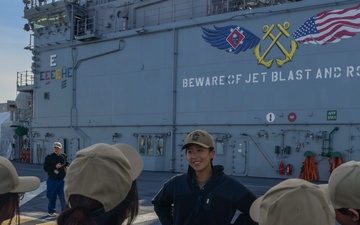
[182, 202]
[50, 166]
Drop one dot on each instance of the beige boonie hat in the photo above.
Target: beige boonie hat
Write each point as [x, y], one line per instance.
[103, 173]
[134, 158]
[199, 137]
[10, 182]
[293, 202]
[344, 185]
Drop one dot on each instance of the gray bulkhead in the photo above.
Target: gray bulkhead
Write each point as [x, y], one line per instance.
[142, 73]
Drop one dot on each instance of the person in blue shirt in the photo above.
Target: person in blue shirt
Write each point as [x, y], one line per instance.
[55, 165]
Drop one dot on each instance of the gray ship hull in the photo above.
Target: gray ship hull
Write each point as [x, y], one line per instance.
[274, 82]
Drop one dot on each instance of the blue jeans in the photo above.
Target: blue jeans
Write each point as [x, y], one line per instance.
[55, 188]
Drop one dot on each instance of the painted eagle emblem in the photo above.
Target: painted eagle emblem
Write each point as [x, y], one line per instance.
[232, 38]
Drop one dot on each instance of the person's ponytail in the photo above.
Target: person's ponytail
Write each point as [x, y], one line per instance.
[78, 215]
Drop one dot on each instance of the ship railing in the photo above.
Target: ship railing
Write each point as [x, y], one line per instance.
[157, 14]
[214, 6]
[88, 26]
[37, 3]
[25, 78]
[22, 115]
[98, 2]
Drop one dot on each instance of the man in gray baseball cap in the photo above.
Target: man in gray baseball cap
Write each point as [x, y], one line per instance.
[55, 166]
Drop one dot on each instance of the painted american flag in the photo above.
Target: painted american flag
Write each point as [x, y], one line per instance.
[329, 26]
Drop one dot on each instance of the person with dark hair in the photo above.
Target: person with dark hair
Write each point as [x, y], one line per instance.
[12, 189]
[100, 186]
[203, 195]
[55, 165]
[343, 189]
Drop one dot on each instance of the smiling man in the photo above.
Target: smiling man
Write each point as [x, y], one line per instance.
[203, 195]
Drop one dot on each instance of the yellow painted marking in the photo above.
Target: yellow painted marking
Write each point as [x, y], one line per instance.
[48, 223]
[30, 221]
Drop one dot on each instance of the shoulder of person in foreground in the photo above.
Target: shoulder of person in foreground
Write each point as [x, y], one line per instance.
[242, 199]
[239, 188]
[164, 199]
[176, 178]
[168, 188]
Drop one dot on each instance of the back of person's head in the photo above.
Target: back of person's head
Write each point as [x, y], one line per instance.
[343, 190]
[344, 186]
[293, 202]
[100, 186]
[9, 207]
[11, 186]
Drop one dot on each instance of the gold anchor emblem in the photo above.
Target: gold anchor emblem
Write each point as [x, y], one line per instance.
[275, 40]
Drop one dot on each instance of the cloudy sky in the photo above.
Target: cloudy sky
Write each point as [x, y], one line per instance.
[13, 39]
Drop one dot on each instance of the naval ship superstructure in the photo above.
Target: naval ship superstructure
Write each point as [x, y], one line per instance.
[275, 82]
